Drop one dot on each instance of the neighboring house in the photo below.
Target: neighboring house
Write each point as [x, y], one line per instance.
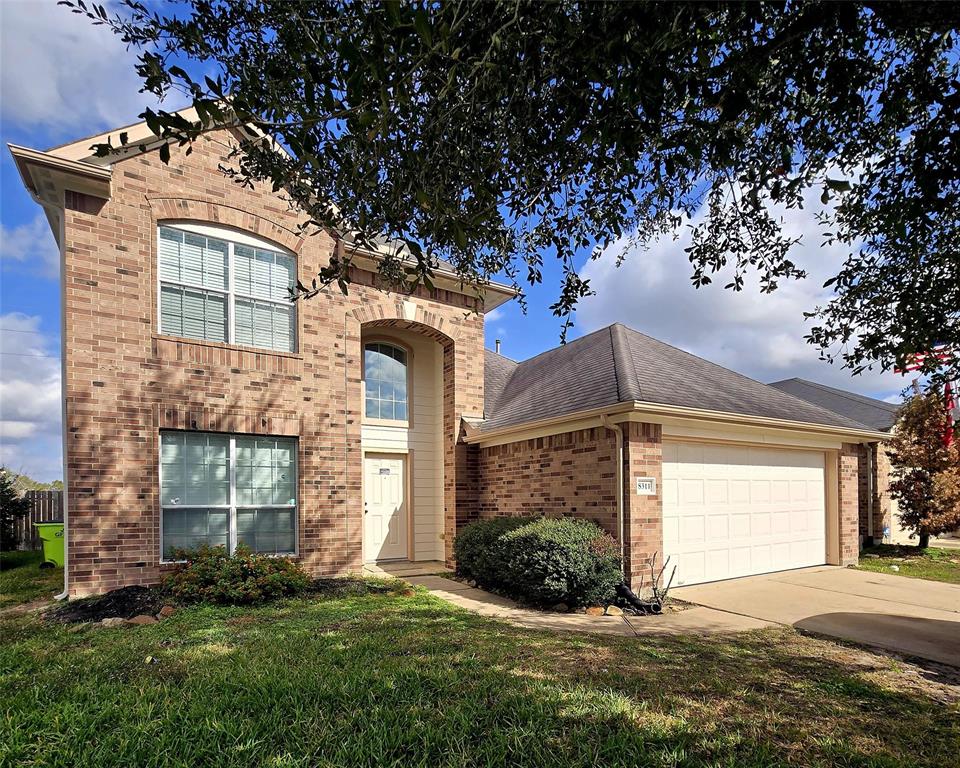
[879, 516]
[202, 407]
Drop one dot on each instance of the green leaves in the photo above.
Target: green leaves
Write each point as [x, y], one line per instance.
[496, 135]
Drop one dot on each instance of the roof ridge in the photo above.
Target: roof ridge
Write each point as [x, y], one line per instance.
[628, 384]
[566, 345]
[853, 396]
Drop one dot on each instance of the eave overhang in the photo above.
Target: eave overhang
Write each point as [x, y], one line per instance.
[658, 413]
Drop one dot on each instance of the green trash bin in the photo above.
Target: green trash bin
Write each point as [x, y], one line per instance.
[51, 534]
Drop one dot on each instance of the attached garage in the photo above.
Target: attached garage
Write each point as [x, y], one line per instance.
[735, 510]
[672, 455]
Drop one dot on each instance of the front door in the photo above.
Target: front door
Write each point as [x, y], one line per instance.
[384, 508]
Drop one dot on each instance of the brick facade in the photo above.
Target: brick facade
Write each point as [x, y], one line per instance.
[643, 457]
[125, 381]
[570, 474]
[848, 481]
[877, 464]
[575, 474]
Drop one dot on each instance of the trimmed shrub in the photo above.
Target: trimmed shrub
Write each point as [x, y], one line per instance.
[212, 575]
[476, 550]
[541, 560]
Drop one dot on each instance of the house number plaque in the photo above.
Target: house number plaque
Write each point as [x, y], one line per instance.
[646, 486]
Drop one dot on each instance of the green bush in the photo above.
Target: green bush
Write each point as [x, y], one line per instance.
[541, 560]
[212, 575]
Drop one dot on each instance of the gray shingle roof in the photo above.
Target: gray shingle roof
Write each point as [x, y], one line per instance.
[617, 364]
[497, 370]
[874, 413]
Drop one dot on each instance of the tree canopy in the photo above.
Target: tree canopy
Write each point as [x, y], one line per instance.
[499, 135]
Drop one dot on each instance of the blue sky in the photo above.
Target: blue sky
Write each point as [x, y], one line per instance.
[62, 79]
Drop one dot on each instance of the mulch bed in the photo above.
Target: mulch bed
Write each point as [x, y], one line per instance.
[127, 602]
[122, 603]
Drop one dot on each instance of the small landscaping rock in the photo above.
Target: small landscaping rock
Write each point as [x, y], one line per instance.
[561, 608]
[472, 583]
[872, 556]
[613, 610]
[143, 618]
[166, 611]
[594, 610]
[894, 567]
[114, 621]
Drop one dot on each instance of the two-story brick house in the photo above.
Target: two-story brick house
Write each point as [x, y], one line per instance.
[201, 406]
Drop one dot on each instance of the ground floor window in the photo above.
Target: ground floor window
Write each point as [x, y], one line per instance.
[227, 490]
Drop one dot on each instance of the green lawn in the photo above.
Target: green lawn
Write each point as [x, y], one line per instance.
[932, 563]
[388, 680]
[22, 580]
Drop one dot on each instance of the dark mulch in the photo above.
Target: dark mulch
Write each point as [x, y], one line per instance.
[350, 586]
[128, 602]
[122, 603]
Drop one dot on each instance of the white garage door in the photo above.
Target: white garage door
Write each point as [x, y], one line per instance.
[733, 511]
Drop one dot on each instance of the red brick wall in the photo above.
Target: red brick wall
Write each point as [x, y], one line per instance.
[849, 510]
[571, 474]
[643, 457]
[125, 382]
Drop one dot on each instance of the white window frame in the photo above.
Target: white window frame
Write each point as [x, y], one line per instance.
[408, 367]
[232, 238]
[232, 507]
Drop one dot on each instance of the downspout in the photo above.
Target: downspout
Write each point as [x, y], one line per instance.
[65, 495]
[618, 434]
[61, 214]
[869, 450]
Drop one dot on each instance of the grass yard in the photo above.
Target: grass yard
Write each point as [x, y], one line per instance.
[394, 680]
[22, 580]
[933, 563]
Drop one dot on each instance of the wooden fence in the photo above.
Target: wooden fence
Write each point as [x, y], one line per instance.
[45, 506]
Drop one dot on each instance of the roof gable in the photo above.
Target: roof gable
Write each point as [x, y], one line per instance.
[618, 365]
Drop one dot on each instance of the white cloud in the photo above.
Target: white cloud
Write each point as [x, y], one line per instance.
[30, 411]
[760, 335]
[31, 244]
[59, 71]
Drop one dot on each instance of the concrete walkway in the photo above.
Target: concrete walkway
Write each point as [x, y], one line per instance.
[695, 620]
[909, 616]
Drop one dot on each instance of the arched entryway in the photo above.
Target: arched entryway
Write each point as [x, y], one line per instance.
[413, 517]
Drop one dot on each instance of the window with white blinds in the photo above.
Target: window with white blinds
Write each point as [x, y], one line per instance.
[218, 289]
[225, 490]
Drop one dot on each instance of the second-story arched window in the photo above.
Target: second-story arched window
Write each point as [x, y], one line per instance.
[385, 382]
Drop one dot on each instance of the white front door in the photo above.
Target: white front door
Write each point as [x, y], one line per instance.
[384, 508]
[733, 510]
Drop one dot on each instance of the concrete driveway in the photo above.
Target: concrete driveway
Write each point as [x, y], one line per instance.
[909, 616]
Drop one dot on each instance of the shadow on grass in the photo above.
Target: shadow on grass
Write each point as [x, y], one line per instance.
[388, 680]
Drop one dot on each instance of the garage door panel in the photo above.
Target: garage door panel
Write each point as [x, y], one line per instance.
[760, 524]
[717, 491]
[692, 529]
[718, 527]
[739, 491]
[718, 561]
[739, 510]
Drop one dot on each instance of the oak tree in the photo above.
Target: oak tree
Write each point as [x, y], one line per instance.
[497, 135]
